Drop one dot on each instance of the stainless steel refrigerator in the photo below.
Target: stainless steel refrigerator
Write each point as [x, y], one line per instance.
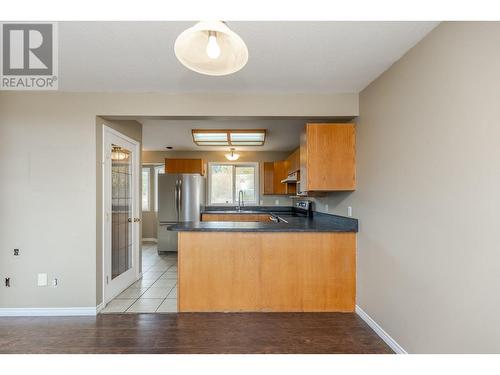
[181, 198]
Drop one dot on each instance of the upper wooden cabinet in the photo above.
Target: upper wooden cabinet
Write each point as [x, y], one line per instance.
[185, 166]
[274, 172]
[293, 161]
[328, 157]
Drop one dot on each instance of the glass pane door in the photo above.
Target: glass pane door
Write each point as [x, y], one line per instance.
[221, 189]
[121, 211]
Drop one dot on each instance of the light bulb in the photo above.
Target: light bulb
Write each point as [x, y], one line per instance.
[232, 155]
[213, 49]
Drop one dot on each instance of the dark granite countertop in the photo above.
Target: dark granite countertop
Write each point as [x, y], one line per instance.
[319, 222]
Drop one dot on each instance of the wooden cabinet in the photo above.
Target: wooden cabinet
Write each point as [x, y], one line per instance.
[293, 161]
[274, 172]
[235, 217]
[268, 272]
[268, 178]
[328, 157]
[280, 173]
[185, 166]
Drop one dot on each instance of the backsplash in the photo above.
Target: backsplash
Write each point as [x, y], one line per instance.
[270, 200]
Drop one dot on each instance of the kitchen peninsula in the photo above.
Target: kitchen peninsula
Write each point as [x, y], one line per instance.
[289, 263]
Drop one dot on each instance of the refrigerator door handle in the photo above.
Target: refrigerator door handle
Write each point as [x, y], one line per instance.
[177, 198]
[180, 200]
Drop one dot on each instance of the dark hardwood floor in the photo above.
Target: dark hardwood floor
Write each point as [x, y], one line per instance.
[191, 333]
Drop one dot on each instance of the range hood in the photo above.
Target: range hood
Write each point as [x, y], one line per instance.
[291, 178]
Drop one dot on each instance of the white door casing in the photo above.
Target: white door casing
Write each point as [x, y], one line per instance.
[114, 286]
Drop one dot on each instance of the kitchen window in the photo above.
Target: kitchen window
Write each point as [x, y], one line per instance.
[145, 189]
[225, 180]
[159, 169]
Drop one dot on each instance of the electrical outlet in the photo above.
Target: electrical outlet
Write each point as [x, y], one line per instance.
[277, 202]
[326, 207]
[16, 252]
[42, 279]
[261, 202]
[349, 211]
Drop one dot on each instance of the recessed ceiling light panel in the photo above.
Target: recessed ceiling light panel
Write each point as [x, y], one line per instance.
[229, 137]
[248, 137]
[210, 137]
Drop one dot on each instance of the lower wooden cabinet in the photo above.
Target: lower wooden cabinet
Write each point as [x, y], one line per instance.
[235, 217]
[269, 272]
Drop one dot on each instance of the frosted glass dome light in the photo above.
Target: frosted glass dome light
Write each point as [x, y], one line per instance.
[211, 48]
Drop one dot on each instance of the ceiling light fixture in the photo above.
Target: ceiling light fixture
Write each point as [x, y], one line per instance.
[229, 137]
[118, 154]
[232, 155]
[211, 48]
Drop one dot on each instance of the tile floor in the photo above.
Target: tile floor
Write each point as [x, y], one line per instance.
[156, 292]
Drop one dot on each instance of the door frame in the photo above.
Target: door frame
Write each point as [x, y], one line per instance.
[108, 132]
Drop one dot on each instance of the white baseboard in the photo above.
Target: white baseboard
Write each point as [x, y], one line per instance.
[380, 331]
[50, 311]
[150, 240]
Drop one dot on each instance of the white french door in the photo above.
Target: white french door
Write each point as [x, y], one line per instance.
[121, 215]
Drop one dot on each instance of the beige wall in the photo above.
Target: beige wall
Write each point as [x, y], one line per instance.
[48, 169]
[150, 218]
[428, 193]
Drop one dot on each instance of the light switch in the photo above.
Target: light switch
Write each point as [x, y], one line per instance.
[42, 279]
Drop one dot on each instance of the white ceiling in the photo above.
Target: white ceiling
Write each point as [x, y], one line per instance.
[320, 57]
[282, 134]
[284, 57]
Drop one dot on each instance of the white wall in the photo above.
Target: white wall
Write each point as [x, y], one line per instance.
[48, 174]
[428, 196]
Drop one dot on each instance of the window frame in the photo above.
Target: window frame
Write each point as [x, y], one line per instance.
[148, 169]
[256, 167]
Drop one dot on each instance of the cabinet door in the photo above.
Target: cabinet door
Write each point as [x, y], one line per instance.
[293, 161]
[280, 173]
[236, 217]
[185, 166]
[274, 172]
[302, 185]
[330, 163]
[268, 178]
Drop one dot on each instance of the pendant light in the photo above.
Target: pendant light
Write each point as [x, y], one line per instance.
[232, 155]
[211, 48]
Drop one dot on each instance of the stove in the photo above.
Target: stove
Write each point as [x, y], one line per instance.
[302, 208]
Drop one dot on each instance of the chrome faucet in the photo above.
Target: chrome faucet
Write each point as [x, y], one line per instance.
[241, 203]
